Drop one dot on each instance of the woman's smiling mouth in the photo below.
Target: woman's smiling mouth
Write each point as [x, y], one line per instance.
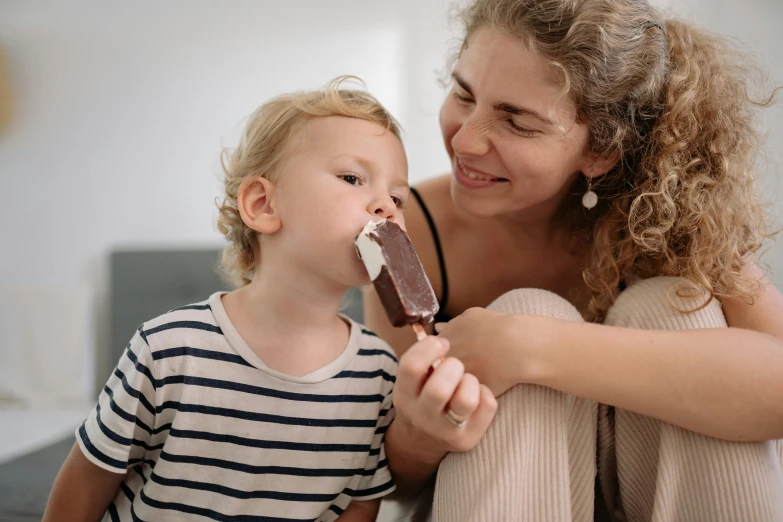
[471, 178]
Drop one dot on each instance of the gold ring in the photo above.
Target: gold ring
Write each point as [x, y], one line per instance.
[455, 418]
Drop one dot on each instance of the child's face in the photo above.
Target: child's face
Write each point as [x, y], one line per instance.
[342, 173]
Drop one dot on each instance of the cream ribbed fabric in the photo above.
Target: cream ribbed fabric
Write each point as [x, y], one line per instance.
[666, 473]
[537, 461]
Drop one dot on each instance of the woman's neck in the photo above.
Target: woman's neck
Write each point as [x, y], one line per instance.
[540, 227]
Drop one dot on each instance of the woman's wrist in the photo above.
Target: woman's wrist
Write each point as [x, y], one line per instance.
[533, 345]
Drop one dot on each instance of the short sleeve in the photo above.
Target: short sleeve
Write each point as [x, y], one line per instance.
[377, 480]
[118, 432]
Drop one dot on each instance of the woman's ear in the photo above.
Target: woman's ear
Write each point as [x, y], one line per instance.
[256, 204]
[596, 166]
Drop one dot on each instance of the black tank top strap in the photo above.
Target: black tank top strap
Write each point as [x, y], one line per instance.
[441, 315]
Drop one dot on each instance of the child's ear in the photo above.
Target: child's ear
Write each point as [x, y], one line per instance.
[256, 204]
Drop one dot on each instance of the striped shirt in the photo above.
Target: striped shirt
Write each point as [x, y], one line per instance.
[205, 430]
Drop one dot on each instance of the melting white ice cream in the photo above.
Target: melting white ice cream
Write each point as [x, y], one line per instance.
[369, 250]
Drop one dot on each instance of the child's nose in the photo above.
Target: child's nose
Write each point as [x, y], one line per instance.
[383, 207]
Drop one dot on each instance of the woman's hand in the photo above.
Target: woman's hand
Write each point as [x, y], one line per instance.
[498, 349]
[423, 396]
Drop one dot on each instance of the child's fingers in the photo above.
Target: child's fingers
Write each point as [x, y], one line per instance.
[441, 385]
[415, 365]
[466, 398]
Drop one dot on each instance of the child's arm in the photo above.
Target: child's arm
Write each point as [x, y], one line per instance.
[115, 433]
[82, 491]
[361, 511]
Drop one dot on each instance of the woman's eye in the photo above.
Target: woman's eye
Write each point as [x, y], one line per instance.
[460, 98]
[521, 130]
[351, 179]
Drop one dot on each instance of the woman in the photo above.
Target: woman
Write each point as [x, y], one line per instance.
[605, 156]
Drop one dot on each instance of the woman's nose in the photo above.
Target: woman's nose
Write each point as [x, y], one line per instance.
[472, 138]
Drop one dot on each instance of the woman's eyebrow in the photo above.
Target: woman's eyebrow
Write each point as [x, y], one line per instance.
[503, 106]
[521, 111]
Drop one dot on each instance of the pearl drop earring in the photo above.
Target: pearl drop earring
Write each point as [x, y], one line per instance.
[590, 198]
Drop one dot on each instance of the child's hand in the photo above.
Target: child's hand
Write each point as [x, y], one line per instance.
[425, 398]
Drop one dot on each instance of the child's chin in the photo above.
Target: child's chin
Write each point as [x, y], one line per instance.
[363, 280]
[355, 280]
[362, 277]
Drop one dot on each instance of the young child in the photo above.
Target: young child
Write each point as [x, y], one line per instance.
[265, 403]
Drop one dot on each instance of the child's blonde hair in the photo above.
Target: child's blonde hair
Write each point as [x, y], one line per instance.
[265, 142]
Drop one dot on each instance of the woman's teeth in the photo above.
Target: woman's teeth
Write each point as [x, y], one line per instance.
[477, 177]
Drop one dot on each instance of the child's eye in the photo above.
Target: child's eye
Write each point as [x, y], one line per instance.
[351, 179]
[398, 202]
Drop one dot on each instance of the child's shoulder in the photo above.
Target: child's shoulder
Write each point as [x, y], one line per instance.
[180, 324]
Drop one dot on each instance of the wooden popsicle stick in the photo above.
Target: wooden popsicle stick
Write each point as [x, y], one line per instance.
[419, 330]
[420, 336]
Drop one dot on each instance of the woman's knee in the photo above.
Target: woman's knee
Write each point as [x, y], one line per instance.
[665, 303]
[535, 301]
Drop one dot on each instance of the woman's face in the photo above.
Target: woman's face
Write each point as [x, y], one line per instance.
[510, 133]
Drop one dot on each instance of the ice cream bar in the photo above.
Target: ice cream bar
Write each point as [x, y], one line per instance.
[397, 274]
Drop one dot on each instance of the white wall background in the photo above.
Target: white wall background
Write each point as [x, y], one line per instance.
[121, 110]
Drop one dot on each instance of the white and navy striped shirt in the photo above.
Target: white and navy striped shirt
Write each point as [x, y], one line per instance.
[205, 430]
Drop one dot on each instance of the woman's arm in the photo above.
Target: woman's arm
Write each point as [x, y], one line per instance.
[82, 491]
[725, 383]
[764, 314]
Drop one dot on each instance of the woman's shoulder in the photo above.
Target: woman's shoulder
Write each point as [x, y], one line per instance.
[434, 201]
[436, 188]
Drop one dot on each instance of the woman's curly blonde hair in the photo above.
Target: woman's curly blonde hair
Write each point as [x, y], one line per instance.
[268, 138]
[672, 101]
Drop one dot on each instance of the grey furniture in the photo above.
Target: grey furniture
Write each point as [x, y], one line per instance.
[26, 481]
[146, 283]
